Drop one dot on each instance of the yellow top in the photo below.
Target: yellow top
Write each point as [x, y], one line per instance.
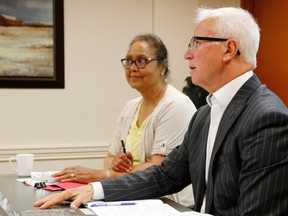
[134, 136]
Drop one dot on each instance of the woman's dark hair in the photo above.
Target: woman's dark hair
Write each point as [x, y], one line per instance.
[160, 49]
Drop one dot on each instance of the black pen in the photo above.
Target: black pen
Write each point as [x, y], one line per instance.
[123, 146]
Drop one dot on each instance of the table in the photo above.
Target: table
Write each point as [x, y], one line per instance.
[22, 196]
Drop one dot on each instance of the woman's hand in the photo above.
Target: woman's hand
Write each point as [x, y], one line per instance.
[79, 195]
[122, 162]
[79, 174]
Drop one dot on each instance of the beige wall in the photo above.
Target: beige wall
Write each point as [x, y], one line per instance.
[218, 3]
[73, 125]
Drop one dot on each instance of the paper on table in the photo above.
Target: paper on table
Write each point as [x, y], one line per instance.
[151, 207]
[139, 210]
[138, 202]
[193, 213]
[56, 186]
[44, 176]
[36, 177]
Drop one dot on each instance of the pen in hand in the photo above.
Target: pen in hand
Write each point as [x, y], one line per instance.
[123, 146]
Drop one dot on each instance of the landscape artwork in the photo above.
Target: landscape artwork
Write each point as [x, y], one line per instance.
[26, 38]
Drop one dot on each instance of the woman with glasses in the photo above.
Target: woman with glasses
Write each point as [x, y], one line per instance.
[149, 126]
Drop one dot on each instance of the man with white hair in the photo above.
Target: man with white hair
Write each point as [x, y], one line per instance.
[235, 151]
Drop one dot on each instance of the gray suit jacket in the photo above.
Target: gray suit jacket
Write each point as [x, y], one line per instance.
[248, 171]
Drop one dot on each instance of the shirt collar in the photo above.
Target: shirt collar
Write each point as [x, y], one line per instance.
[225, 94]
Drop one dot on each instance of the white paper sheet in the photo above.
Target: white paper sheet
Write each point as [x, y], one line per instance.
[139, 210]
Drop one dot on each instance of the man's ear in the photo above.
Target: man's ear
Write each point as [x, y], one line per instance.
[231, 49]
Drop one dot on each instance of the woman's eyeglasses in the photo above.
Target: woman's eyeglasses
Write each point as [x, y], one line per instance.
[140, 62]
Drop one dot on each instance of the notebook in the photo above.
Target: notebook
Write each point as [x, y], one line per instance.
[6, 209]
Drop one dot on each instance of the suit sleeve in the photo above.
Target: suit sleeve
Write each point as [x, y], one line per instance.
[264, 169]
[170, 177]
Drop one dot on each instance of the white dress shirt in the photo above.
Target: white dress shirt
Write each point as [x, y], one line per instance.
[219, 101]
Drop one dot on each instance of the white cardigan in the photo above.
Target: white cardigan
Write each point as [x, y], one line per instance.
[165, 129]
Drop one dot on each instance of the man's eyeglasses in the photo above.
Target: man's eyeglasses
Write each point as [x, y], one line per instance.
[140, 62]
[194, 42]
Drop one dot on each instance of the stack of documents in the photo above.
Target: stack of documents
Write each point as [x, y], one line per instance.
[151, 207]
[50, 183]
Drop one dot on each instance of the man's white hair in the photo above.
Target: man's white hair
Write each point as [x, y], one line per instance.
[235, 23]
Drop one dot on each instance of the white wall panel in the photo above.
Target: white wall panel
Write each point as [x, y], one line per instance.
[83, 115]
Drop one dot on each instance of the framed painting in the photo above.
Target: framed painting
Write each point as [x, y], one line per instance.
[32, 44]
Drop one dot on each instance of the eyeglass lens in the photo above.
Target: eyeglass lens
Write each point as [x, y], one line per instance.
[194, 40]
[140, 63]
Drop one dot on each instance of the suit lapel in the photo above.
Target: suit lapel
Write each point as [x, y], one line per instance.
[229, 117]
[202, 165]
[197, 153]
[233, 111]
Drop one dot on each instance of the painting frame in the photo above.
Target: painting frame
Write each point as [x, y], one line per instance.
[57, 80]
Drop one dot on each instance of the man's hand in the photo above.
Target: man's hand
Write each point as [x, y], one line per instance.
[78, 195]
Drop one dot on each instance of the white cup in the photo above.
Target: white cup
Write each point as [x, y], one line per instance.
[25, 164]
